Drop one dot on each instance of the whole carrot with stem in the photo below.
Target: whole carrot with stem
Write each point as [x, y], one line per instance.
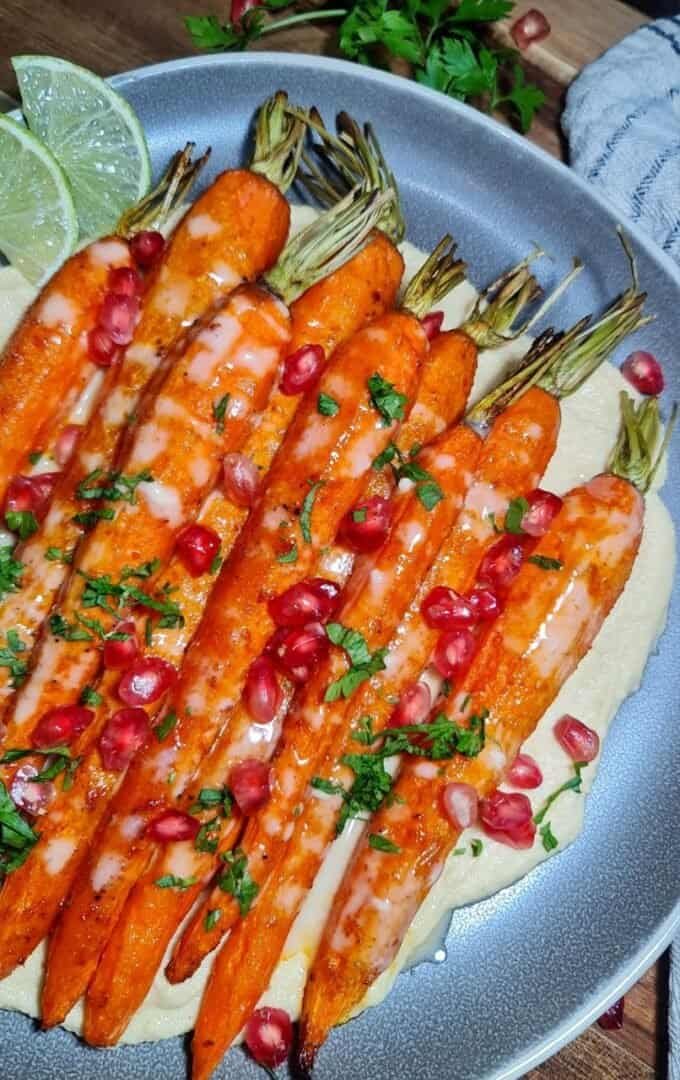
[516, 675]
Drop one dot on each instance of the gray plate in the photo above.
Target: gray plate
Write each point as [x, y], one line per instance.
[531, 967]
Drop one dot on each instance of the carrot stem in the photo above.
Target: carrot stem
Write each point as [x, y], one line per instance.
[169, 193]
[438, 275]
[279, 135]
[634, 456]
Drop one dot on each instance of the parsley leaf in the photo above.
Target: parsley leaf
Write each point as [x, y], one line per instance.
[386, 399]
[429, 494]
[363, 663]
[383, 843]
[208, 835]
[364, 734]
[89, 696]
[388, 455]
[62, 628]
[219, 412]
[208, 798]
[306, 511]
[10, 571]
[59, 761]
[545, 562]
[290, 556]
[359, 515]
[16, 835]
[372, 783]
[326, 405]
[55, 554]
[477, 848]
[211, 919]
[89, 518]
[162, 730]
[10, 658]
[517, 508]
[112, 486]
[172, 881]
[550, 841]
[573, 784]
[237, 881]
[22, 522]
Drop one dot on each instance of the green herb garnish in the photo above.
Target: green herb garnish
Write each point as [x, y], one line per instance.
[209, 798]
[219, 412]
[10, 658]
[211, 919]
[11, 570]
[545, 562]
[89, 696]
[16, 835]
[22, 522]
[573, 784]
[163, 729]
[171, 881]
[327, 406]
[477, 848]
[550, 841]
[236, 880]
[517, 508]
[306, 511]
[55, 554]
[386, 399]
[383, 843]
[289, 556]
[363, 663]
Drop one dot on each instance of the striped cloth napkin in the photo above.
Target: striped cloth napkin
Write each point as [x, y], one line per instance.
[622, 121]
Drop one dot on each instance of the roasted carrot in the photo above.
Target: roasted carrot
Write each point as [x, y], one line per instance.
[516, 674]
[232, 233]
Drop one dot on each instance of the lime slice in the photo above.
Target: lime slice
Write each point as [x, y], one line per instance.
[93, 133]
[38, 223]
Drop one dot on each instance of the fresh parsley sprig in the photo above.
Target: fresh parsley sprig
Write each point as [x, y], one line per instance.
[405, 467]
[236, 880]
[363, 663]
[444, 45]
[16, 835]
[11, 658]
[11, 570]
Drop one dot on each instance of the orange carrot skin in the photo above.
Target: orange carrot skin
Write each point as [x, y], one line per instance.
[48, 351]
[336, 450]
[517, 673]
[444, 389]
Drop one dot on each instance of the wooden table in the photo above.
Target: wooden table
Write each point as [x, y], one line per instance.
[114, 35]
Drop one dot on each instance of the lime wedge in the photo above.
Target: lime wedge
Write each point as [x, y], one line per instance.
[93, 133]
[38, 223]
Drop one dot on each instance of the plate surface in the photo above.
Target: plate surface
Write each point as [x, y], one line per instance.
[531, 967]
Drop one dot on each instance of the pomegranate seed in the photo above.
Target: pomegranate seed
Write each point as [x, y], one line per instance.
[269, 1032]
[507, 817]
[67, 440]
[101, 348]
[240, 7]
[531, 27]
[301, 650]
[118, 316]
[262, 694]
[240, 479]
[525, 773]
[579, 741]
[249, 784]
[173, 825]
[612, 1019]
[445, 609]
[502, 563]
[366, 527]
[197, 547]
[301, 369]
[30, 493]
[122, 737]
[120, 654]
[543, 507]
[644, 372]
[147, 247]
[484, 603]
[453, 652]
[124, 281]
[460, 804]
[61, 726]
[413, 706]
[32, 798]
[432, 324]
[146, 680]
[314, 600]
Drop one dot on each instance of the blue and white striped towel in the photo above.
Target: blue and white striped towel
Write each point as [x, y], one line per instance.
[622, 121]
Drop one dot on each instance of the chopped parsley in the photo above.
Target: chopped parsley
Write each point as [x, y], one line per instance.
[364, 733]
[573, 784]
[22, 522]
[216, 563]
[171, 881]
[11, 570]
[326, 405]
[306, 511]
[550, 841]
[112, 486]
[148, 632]
[89, 518]
[100, 590]
[517, 508]
[477, 848]
[386, 399]
[89, 696]
[236, 880]
[359, 515]
[383, 843]
[35, 456]
[162, 730]
[208, 835]
[429, 494]
[545, 562]
[219, 410]
[59, 761]
[290, 556]
[428, 490]
[212, 918]
[55, 554]
[219, 798]
[62, 628]
[16, 835]
[10, 658]
[363, 663]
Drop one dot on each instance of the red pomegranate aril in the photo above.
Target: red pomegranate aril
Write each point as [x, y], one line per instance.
[460, 804]
[262, 694]
[301, 369]
[28, 796]
[240, 479]
[118, 316]
[301, 650]
[502, 563]
[146, 680]
[313, 600]
[579, 741]
[197, 546]
[432, 324]
[530, 28]
[60, 726]
[147, 247]
[644, 372]
[120, 654]
[484, 603]
[612, 1019]
[269, 1034]
[249, 784]
[413, 706]
[124, 281]
[30, 494]
[543, 507]
[101, 348]
[366, 527]
[453, 652]
[445, 609]
[67, 440]
[173, 825]
[525, 773]
[508, 818]
[125, 732]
